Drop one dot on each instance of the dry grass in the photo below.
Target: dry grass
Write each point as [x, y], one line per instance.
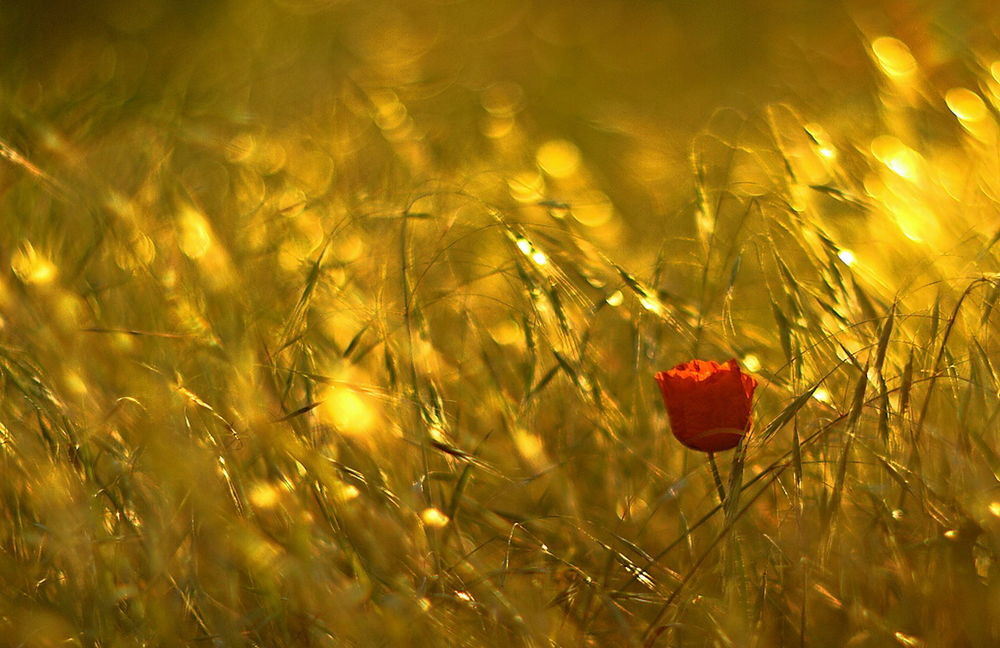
[322, 326]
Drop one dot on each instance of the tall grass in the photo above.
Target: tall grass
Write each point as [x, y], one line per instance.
[351, 354]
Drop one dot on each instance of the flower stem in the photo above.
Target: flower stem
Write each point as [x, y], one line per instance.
[718, 478]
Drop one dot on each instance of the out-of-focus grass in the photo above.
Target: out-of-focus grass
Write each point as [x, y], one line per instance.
[334, 323]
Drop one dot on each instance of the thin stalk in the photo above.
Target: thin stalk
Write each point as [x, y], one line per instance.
[717, 477]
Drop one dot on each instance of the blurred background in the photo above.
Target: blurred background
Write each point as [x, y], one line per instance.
[334, 322]
[628, 83]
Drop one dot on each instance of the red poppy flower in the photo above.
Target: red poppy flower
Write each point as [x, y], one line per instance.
[709, 404]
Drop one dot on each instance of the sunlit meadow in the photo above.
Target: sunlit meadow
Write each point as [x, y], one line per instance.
[334, 322]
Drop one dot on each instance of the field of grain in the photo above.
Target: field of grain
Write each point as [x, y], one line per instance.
[334, 322]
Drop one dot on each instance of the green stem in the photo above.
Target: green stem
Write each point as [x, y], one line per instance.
[717, 477]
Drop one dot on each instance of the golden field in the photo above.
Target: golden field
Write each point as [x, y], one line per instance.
[334, 322]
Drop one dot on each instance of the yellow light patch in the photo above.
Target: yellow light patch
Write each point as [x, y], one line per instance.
[705, 223]
[894, 57]
[261, 552]
[531, 448]
[558, 158]
[310, 224]
[966, 105]
[75, 384]
[593, 208]
[390, 114]
[900, 158]
[32, 267]
[822, 395]
[916, 221]
[195, 234]
[350, 412]
[904, 164]
[264, 495]
[506, 332]
[651, 304]
[434, 518]
[347, 492]
[348, 248]
[437, 433]
[497, 127]
[908, 640]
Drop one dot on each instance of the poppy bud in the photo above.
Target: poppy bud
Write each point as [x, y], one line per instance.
[708, 404]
